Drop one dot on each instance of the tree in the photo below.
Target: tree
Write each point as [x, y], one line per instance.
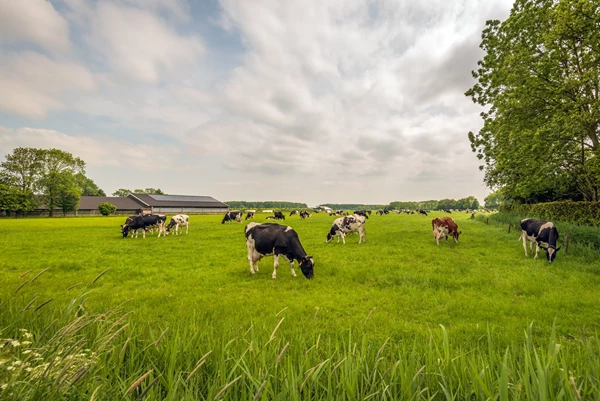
[21, 171]
[494, 200]
[539, 82]
[58, 183]
[107, 208]
[150, 191]
[88, 186]
[13, 199]
[122, 193]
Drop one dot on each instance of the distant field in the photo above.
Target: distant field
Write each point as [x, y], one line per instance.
[399, 287]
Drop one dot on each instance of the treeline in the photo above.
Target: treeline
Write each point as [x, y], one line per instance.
[265, 205]
[32, 178]
[470, 202]
[352, 206]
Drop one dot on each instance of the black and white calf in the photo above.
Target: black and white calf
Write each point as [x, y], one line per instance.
[293, 212]
[178, 221]
[148, 222]
[348, 224]
[230, 216]
[274, 239]
[250, 214]
[543, 233]
[278, 216]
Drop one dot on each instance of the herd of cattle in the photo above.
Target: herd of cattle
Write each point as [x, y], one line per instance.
[278, 240]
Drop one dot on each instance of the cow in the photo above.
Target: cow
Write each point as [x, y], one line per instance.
[150, 221]
[447, 211]
[362, 213]
[274, 239]
[230, 216]
[293, 212]
[305, 215]
[178, 221]
[444, 226]
[278, 216]
[270, 217]
[543, 233]
[380, 212]
[249, 215]
[421, 211]
[349, 224]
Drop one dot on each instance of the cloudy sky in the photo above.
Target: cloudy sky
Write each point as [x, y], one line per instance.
[311, 101]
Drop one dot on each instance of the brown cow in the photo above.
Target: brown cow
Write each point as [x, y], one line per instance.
[444, 226]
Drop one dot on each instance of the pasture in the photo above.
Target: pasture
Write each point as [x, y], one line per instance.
[427, 321]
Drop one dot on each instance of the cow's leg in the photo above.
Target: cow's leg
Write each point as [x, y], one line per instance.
[455, 238]
[187, 228]
[275, 266]
[439, 237]
[144, 234]
[291, 262]
[524, 238]
[537, 250]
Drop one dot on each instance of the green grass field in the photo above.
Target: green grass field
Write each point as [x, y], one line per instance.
[371, 318]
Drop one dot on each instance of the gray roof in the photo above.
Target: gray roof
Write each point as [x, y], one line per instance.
[176, 200]
[92, 202]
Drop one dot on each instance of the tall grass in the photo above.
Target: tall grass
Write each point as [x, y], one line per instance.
[69, 353]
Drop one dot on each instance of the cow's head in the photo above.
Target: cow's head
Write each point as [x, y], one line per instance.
[551, 253]
[307, 265]
[124, 230]
[332, 233]
[456, 234]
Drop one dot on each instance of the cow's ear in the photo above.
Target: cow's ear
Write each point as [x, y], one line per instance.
[558, 249]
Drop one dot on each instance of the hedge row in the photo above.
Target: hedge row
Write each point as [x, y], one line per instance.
[585, 213]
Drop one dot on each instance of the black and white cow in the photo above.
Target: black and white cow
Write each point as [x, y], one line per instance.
[349, 224]
[178, 221]
[362, 213]
[270, 217]
[421, 211]
[250, 215]
[543, 233]
[148, 222]
[274, 239]
[380, 212]
[293, 212]
[305, 215]
[230, 216]
[278, 216]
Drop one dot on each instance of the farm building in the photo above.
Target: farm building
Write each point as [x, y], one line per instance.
[169, 204]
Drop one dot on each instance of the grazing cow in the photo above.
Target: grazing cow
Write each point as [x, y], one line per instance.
[543, 233]
[444, 226]
[380, 212]
[249, 215]
[278, 216]
[273, 239]
[270, 217]
[293, 212]
[304, 214]
[447, 211]
[230, 216]
[150, 221]
[178, 221]
[362, 213]
[348, 224]
[421, 211]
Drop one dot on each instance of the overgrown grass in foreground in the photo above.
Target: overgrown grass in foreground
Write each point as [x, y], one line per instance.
[73, 354]
[368, 325]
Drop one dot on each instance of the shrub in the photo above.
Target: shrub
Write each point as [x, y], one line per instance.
[107, 208]
[586, 213]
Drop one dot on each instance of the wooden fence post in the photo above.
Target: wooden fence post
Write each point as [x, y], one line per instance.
[509, 228]
[487, 221]
[566, 243]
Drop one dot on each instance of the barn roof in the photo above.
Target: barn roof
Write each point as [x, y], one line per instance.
[92, 202]
[176, 200]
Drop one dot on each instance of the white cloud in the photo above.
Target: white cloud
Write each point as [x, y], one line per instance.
[139, 45]
[33, 21]
[32, 84]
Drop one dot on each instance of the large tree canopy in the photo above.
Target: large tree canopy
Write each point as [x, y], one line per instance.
[540, 84]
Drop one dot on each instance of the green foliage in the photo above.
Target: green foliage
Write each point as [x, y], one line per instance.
[586, 213]
[469, 202]
[88, 186]
[265, 205]
[150, 191]
[539, 84]
[107, 208]
[57, 183]
[121, 193]
[494, 200]
[398, 317]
